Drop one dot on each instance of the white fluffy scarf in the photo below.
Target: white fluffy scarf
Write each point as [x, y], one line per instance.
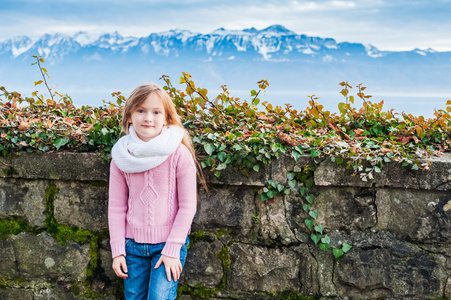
[133, 155]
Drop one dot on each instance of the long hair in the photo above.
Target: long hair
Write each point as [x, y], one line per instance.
[138, 96]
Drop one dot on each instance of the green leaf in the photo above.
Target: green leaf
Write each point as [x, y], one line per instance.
[236, 147]
[306, 207]
[337, 253]
[315, 238]
[309, 223]
[59, 142]
[221, 166]
[222, 156]
[325, 240]
[254, 141]
[346, 247]
[314, 153]
[280, 187]
[290, 176]
[271, 194]
[310, 198]
[377, 169]
[313, 213]
[319, 228]
[209, 148]
[297, 169]
[104, 131]
[292, 183]
[296, 155]
[324, 247]
[256, 168]
[303, 190]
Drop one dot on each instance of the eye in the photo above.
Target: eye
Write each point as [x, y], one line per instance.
[140, 111]
[157, 112]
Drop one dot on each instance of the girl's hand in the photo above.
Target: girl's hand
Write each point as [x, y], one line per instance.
[120, 266]
[172, 265]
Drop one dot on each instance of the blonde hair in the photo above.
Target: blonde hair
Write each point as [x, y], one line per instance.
[139, 95]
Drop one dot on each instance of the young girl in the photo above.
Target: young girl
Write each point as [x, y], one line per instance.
[152, 195]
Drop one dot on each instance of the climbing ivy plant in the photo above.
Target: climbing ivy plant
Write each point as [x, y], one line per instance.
[245, 135]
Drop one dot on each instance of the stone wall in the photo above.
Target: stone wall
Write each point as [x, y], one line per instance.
[54, 241]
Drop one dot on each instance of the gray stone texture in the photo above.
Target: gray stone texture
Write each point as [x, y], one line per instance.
[255, 268]
[223, 208]
[62, 291]
[6, 167]
[346, 208]
[60, 166]
[202, 264]
[8, 266]
[42, 256]
[107, 264]
[23, 198]
[273, 222]
[295, 216]
[393, 175]
[308, 271]
[325, 271]
[229, 176]
[81, 205]
[16, 293]
[418, 216]
[379, 273]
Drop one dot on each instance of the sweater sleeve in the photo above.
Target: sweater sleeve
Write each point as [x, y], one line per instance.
[117, 210]
[187, 203]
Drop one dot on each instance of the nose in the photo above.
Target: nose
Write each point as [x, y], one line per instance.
[148, 117]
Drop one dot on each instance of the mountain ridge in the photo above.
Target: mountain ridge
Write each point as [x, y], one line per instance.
[271, 44]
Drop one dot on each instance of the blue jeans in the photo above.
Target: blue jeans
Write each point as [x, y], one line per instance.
[144, 282]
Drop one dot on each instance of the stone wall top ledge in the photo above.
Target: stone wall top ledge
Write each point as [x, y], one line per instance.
[393, 175]
[60, 166]
[91, 167]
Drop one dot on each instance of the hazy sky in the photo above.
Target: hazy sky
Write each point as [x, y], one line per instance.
[386, 24]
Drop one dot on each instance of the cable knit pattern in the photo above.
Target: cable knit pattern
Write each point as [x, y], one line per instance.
[131, 208]
[167, 192]
[171, 191]
[133, 155]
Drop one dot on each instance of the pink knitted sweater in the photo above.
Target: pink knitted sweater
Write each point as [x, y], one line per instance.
[154, 206]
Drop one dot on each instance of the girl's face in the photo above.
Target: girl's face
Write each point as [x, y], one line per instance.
[149, 118]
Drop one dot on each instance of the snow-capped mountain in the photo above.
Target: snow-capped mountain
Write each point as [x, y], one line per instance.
[271, 44]
[295, 64]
